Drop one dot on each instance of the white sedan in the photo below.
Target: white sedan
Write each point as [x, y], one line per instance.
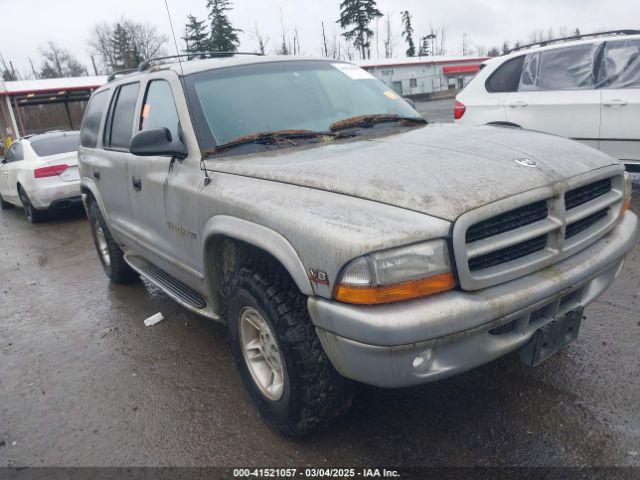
[40, 173]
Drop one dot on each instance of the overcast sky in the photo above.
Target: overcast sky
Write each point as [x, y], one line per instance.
[487, 22]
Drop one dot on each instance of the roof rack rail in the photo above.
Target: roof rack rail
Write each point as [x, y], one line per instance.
[574, 37]
[119, 73]
[146, 64]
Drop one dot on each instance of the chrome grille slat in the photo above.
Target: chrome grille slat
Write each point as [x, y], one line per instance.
[508, 239]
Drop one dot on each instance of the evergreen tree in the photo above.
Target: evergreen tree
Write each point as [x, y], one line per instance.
[407, 33]
[357, 15]
[196, 36]
[122, 48]
[224, 38]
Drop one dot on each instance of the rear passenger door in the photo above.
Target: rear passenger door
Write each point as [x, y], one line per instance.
[163, 191]
[619, 80]
[111, 172]
[557, 94]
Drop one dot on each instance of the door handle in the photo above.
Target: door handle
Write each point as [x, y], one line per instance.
[615, 103]
[137, 183]
[96, 174]
[518, 104]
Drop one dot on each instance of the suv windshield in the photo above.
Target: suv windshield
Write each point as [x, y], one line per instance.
[232, 102]
[65, 143]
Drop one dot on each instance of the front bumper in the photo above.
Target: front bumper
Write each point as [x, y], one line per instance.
[415, 342]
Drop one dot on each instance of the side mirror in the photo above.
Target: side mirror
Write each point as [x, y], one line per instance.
[410, 102]
[157, 142]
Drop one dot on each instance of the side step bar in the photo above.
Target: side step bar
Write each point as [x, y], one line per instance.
[173, 287]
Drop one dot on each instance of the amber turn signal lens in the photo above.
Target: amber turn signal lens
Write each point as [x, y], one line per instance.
[371, 295]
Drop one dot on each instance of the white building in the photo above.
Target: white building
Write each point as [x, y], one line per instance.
[422, 76]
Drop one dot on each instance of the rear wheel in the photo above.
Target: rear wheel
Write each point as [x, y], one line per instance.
[279, 355]
[32, 214]
[110, 254]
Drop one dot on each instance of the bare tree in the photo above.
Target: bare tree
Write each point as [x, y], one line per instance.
[388, 38]
[58, 62]
[260, 40]
[7, 72]
[325, 50]
[142, 39]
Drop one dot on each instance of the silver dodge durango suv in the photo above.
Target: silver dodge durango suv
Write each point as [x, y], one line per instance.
[339, 236]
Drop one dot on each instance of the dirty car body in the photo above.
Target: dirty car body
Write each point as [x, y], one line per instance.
[421, 251]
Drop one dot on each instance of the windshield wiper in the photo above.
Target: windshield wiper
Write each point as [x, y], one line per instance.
[269, 138]
[368, 121]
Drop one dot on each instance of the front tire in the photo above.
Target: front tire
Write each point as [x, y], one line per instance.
[283, 365]
[32, 214]
[110, 254]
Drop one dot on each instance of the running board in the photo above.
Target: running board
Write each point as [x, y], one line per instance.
[173, 287]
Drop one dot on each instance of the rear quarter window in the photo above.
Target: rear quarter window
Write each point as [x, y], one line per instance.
[92, 118]
[56, 145]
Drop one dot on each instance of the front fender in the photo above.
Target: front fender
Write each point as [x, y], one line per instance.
[261, 237]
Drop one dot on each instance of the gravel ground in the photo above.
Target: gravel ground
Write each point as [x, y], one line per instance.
[83, 382]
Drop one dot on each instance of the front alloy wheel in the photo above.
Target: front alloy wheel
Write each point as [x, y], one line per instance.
[261, 353]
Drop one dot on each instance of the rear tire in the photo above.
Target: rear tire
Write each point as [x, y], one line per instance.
[110, 254]
[32, 214]
[311, 393]
[4, 205]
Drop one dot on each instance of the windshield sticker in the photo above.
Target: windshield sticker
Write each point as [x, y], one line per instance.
[391, 95]
[353, 72]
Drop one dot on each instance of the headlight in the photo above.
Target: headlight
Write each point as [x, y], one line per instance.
[397, 274]
[628, 188]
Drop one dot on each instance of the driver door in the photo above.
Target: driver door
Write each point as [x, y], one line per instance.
[163, 191]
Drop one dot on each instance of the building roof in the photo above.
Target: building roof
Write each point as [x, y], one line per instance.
[51, 85]
[402, 62]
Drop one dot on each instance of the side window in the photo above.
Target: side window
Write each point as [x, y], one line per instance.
[568, 68]
[15, 153]
[620, 65]
[506, 77]
[159, 108]
[92, 118]
[120, 120]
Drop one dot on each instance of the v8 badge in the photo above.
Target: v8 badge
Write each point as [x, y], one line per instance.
[318, 277]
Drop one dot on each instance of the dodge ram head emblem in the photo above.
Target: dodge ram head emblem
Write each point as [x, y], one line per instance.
[525, 162]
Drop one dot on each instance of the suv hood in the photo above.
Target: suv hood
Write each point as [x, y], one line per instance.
[442, 170]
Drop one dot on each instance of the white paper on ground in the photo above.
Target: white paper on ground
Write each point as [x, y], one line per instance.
[152, 320]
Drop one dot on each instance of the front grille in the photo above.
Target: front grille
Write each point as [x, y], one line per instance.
[508, 254]
[525, 233]
[582, 195]
[508, 221]
[580, 226]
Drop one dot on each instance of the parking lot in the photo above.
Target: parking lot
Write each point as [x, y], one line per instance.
[84, 382]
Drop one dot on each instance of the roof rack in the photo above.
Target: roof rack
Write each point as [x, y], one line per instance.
[146, 64]
[575, 37]
[119, 73]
